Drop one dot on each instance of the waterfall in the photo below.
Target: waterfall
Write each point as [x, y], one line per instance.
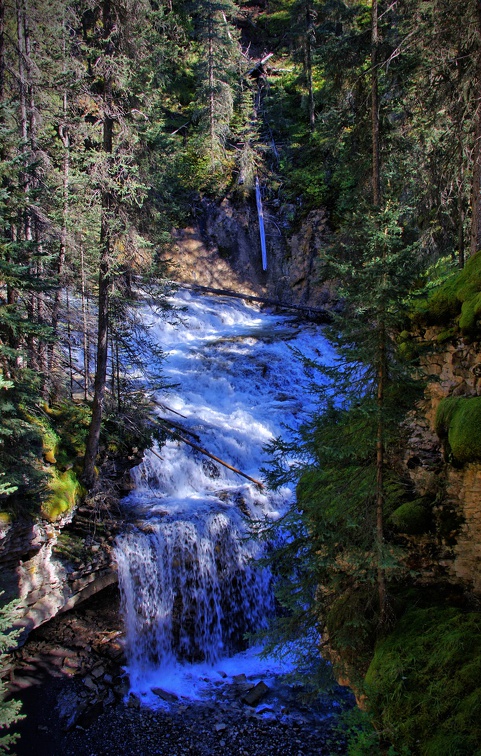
[260, 214]
[189, 582]
[192, 591]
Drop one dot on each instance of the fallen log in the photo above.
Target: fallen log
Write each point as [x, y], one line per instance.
[212, 456]
[180, 428]
[322, 313]
[169, 409]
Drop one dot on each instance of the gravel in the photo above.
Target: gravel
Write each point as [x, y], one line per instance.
[69, 676]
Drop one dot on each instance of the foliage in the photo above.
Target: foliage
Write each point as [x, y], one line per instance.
[458, 423]
[362, 737]
[337, 533]
[424, 681]
[20, 442]
[9, 709]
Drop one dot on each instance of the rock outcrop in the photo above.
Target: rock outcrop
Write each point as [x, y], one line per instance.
[453, 369]
[222, 251]
[51, 567]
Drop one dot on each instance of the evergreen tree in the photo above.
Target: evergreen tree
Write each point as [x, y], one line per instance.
[219, 69]
[348, 484]
[9, 710]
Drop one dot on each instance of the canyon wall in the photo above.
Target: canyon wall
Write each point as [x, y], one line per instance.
[222, 250]
[453, 369]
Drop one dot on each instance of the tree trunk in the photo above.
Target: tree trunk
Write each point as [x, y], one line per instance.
[26, 233]
[92, 446]
[64, 135]
[376, 160]
[308, 64]
[211, 86]
[475, 236]
[382, 357]
[381, 380]
[460, 225]
[85, 334]
[2, 57]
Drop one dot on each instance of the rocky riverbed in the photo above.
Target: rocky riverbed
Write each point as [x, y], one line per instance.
[70, 678]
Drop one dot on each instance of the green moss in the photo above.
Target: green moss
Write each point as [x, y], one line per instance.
[50, 439]
[458, 423]
[447, 334]
[412, 518]
[424, 682]
[470, 311]
[71, 423]
[64, 492]
[459, 298]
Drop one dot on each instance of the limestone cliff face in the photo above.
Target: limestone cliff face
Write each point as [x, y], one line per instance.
[222, 250]
[453, 370]
[50, 567]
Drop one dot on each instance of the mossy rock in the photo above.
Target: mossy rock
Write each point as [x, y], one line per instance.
[458, 423]
[49, 457]
[64, 493]
[412, 518]
[447, 334]
[459, 298]
[424, 682]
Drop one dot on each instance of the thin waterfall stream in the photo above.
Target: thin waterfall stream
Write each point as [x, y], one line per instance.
[189, 582]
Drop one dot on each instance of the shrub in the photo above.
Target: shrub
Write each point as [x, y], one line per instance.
[9, 710]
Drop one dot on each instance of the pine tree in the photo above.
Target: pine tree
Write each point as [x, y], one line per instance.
[348, 484]
[9, 710]
[218, 71]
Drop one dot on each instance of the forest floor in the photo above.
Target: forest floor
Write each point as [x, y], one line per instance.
[70, 678]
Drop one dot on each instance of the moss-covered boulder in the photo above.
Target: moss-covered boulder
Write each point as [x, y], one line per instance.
[412, 517]
[458, 424]
[458, 299]
[64, 492]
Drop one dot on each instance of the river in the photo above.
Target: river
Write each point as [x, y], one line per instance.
[189, 583]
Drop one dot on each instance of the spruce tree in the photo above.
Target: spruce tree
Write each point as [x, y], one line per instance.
[9, 710]
[219, 68]
[349, 485]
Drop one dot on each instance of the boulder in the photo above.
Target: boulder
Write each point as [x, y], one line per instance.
[255, 694]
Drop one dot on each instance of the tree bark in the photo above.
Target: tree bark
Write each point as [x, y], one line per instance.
[64, 135]
[93, 440]
[26, 232]
[376, 160]
[85, 334]
[381, 381]
[308, 63]
[382, 357]
[475, 235]
[210, 63]
[2, 56]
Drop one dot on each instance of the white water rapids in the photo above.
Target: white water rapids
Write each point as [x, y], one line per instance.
[190, 588]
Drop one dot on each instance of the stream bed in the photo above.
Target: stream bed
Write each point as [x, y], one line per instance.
[190, 584]
[165, 668]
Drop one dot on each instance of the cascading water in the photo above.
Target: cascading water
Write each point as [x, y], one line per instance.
[190, 587]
